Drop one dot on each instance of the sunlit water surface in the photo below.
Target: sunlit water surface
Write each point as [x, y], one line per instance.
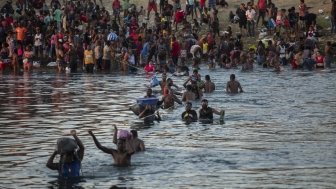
[279, 133]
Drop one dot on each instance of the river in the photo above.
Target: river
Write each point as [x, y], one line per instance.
[279, 133]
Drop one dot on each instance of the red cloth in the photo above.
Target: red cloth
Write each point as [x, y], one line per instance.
[149, 68]
[202, 3]
[175, 52]
[2, 65]
[134, 36]
[179, 15]
[116, 4]
[319, 59]
[83, 18]
[262, 4]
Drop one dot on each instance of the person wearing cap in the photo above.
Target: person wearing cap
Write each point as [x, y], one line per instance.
[233, 86]
[189, 115]
[206, 112]
[121, 156]
[69, 164]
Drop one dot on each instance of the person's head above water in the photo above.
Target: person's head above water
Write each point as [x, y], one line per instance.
[188, 106]
[232, 77]
[204, 103]
[207, 78]
[121, 145]
[149, 92]
[134, 133]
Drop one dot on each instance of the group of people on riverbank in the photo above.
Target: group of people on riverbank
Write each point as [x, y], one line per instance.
[83, 34]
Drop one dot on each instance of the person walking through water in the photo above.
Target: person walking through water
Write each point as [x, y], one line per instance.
[232, 86]
[206, 113]
[72, 153]
[136, 143]
[121, 156]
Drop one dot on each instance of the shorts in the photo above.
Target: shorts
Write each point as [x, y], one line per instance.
[152, 6]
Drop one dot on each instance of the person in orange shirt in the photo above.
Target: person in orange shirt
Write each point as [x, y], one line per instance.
[20, 33]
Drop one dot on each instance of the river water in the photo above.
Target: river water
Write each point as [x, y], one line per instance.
[279, 133]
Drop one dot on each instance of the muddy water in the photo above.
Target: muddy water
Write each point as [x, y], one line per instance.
[280, 133]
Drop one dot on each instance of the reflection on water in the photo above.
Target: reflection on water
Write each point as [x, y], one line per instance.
[280, 133]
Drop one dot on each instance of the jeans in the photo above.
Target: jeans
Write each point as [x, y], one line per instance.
[250, 27]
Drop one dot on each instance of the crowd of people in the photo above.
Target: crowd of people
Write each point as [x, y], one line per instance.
[164, 37]
[84, 34]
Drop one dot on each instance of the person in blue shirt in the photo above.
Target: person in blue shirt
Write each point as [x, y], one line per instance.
[71, 154]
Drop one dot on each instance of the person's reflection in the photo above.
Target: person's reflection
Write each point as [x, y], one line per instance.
[22, 90]
[58, 97]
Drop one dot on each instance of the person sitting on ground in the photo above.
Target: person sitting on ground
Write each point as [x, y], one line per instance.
[209, 86]
[72, 153]
[121, 156]
[188, 95]
[136, 144]
[232, 86]
[189, 115]
[206, 112]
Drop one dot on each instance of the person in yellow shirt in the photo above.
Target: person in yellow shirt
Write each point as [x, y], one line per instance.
[88, 59]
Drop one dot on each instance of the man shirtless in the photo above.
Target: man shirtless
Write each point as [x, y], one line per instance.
[188, 95]
[209, 86]
[170, 99]
[232, 86]
[121, 156]
[136, 144]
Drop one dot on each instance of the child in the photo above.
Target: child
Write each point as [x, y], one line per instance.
[149, 67]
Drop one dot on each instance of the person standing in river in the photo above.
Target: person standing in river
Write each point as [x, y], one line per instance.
[136, 144]
[121, 156]
[206, 113]
[69, 164]
[233, 86]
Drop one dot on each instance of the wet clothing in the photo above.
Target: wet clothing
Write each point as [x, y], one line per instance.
[206, 114]
[189, 115]
[72, 169]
